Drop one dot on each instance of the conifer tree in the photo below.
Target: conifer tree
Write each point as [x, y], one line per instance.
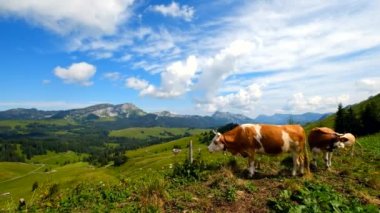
[340, 119]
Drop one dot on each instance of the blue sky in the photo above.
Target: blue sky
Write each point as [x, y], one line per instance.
[189, 57]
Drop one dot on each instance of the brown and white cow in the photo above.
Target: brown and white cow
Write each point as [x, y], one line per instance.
[249, 139]
[349, 141]
[325, 140]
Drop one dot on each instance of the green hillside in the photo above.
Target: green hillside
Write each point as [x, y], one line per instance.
[24, 123]
[357, 109]
[146, 133]
[154, 179]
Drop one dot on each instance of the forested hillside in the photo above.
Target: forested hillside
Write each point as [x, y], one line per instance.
[360, 119]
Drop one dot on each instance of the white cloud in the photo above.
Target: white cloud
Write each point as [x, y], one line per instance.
[175, 80]
[86, 18]
[372, 85]
[175, 10]
[77, 73]
[223, 64]
[136, 83]
[102, 55]
[242, 101]
[125, 57]
[113, 76]
[300, 104]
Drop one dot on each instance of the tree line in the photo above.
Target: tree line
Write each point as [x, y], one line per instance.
[23, 142]
[365, 121]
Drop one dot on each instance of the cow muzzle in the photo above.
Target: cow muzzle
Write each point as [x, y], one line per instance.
[339, 145]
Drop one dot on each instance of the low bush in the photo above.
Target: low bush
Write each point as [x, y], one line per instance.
[316, 198]
[187, 171]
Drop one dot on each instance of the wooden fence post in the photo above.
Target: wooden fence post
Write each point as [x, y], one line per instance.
[191, 152]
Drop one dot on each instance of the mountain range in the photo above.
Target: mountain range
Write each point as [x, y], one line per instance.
[128, 115]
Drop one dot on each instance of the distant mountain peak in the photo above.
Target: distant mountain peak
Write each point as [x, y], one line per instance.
[279, 118]
[231, 117]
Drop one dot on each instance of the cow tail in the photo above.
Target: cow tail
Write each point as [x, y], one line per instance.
[306, 157]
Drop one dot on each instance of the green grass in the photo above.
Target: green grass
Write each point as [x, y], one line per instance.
[23, 123]
[145, 133]
[145, 180]
[54, 159]
[159, 157]
[66, 176]
[9, 170]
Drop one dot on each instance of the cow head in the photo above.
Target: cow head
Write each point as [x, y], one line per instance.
[340, 141]
[347, 139]
[216, 143]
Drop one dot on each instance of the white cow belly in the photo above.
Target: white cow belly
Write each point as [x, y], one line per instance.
[286, 140]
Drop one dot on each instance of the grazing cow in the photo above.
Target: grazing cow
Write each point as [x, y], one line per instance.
[249, 139]
[323, 139]
[349, 141]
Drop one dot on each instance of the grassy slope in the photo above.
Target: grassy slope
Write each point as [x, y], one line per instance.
[66, 176]
[352, 177]
[144, 133]
[158, 158]
[56, 159]
[329, 120]
[10, 170]
[23, 123]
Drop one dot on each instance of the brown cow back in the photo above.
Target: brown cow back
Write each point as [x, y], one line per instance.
[242, 139]
[322, 138]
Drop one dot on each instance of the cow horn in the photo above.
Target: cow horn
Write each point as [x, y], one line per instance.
[339, 134]
[214, 131]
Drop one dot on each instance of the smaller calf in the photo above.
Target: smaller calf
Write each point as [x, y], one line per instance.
[325, 140]
[349, 141]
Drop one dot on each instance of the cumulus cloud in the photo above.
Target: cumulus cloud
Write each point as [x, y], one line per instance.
[175, 80]
[243, 100]
[113, 76]
[85, 17]
[224, 63]
[136, 83]
[299, 103]
[77, 73]
[175, 10]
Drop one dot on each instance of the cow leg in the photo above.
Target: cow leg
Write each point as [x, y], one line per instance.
[330, 157]
[326, 158]
[301, 163]
[352, 151]
[251, 166]
[314, 155]
[295, 164]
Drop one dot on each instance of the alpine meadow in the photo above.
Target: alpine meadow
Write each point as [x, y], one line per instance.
[190, 106]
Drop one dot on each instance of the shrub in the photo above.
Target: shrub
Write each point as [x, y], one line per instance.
[189, 171]
[250, 187]
[316, 198]
[230, 194]
[34, 186]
